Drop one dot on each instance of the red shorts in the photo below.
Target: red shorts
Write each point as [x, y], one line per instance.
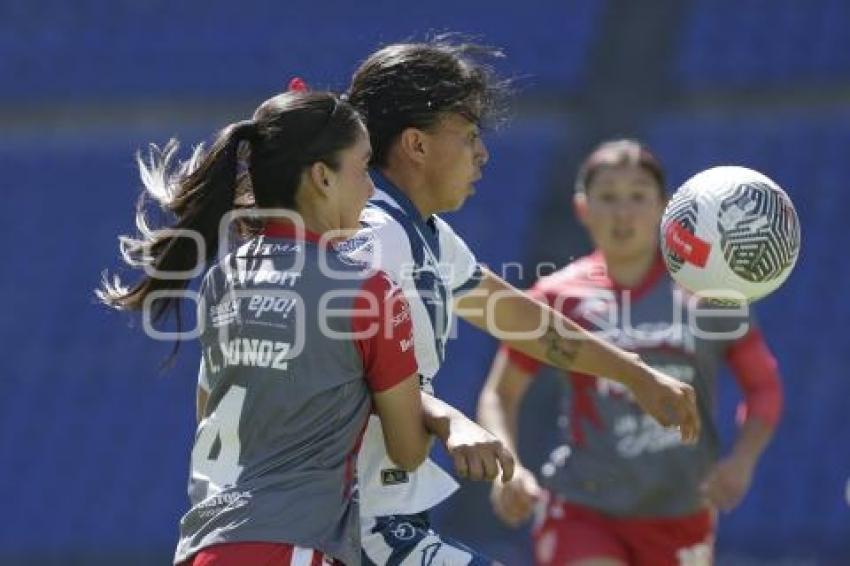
[572, 532]
[258, 554]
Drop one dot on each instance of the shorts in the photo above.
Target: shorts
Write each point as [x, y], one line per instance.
[259, 554]
[408, 540]
[570, 532]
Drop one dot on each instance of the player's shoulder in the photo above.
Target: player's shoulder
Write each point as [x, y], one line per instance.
[585, 273]
[381, 241]
[377, 223]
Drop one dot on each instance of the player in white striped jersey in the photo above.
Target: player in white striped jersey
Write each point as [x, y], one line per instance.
[423, 105]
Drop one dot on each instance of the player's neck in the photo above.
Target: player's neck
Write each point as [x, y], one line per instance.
[631, 271]
[413, 185]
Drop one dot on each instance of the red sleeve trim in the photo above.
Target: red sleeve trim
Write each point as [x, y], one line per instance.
[383, 331]
[522, 361]
[757, 374]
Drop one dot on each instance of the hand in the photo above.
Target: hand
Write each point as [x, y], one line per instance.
[728, 482]
[670, 402]
[477, 454]
[513, 501]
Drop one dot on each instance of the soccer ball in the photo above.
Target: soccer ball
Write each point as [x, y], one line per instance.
[730, 234]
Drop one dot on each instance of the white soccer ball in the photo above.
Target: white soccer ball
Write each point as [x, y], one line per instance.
[731, 234]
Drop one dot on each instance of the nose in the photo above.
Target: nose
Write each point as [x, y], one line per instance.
[482, 154]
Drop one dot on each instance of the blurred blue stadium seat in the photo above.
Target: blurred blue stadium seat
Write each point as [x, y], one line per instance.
[100, 50]
[761, 43]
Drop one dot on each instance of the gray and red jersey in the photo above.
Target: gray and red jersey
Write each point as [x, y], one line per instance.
[294, 338]
[615, 458]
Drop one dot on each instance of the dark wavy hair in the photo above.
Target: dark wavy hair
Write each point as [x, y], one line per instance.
[287, 134]
[407, 85]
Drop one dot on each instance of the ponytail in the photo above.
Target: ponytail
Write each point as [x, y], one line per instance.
[198, 192]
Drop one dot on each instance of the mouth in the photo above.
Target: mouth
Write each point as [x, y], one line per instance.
[622, 233]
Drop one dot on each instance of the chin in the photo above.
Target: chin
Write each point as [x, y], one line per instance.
[458, 203]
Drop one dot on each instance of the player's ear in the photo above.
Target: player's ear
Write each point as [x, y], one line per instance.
[322, 177]
[414, 144]
[580, 207]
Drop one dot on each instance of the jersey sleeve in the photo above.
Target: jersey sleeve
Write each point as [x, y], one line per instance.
[459, 263]
[756, 371]
[383, 331]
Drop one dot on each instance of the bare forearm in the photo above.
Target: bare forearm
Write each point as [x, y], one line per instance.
[499, 417]
[540, 332]
[544, 334]
[752, 439]
[437, 416]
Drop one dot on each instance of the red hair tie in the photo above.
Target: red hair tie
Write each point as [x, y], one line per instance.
[297, 84]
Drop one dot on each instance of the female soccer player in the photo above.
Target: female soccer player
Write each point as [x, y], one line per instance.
[298, 341]
[423, 104]
[622, 490]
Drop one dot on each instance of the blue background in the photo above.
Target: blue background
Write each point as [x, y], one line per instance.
[94, 437]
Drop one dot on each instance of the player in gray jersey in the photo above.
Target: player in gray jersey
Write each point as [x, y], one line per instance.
[299, 342]
[620, 489]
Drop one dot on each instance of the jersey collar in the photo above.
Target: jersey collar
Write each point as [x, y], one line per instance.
[288, 231]
[388, 192]
[656, 272]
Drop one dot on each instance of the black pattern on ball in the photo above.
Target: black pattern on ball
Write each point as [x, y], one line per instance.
[759, 232]
[682, 209]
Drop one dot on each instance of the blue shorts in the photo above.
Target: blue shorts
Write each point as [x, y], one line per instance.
[408, 540]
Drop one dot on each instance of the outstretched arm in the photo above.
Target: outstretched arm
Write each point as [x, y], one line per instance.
[540, 332]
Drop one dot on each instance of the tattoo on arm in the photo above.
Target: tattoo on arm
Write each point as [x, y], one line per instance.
[560, 351]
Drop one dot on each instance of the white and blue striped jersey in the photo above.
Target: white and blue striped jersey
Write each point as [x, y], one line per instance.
[432, 264]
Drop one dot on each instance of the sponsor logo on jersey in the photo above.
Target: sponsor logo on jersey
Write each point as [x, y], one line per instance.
[224, 313]
[212, 505]
[402, 316]
[275, 277]
[394, 476]
[642, 434]
[405, 345]
[261, 304]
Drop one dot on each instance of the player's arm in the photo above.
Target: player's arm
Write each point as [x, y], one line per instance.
[201, 398]
[498, 411]
[477, 454]
[400, 410]
[383, 332]
[755, 370]
[538, 331]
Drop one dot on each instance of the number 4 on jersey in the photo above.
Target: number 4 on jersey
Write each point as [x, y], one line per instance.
[215, 457]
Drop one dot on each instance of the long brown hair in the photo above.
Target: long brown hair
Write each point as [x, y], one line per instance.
[287, 134]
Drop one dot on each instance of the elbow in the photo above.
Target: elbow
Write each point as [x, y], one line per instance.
[409, 458]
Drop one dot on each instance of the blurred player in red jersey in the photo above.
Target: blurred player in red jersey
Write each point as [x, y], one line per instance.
[622, 490]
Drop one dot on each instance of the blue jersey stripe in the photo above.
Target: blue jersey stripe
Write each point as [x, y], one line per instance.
[471, 283]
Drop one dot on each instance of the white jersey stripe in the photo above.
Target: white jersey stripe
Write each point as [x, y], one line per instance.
[429, 261]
